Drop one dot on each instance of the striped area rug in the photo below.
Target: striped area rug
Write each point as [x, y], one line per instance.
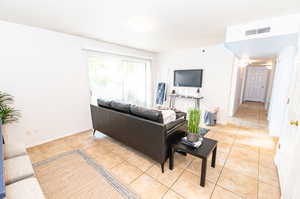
[75, 175]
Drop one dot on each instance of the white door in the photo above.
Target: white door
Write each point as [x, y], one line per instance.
[288, 156]
[256, 84]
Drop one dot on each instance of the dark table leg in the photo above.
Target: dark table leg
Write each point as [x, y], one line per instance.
[182, 153]
[214, 156]
[203, 172]
[163, 167]
[171, 158]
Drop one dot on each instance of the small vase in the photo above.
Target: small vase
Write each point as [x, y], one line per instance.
[192, 137]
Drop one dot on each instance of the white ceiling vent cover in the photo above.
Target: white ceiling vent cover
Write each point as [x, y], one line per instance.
[257, 31]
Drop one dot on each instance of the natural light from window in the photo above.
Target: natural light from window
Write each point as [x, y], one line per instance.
[118, 78]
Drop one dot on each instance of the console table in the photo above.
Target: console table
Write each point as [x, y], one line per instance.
[195, 98]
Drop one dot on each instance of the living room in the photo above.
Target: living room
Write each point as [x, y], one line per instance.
[84, 82]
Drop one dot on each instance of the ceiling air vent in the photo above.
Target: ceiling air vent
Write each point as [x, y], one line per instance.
[257, 31]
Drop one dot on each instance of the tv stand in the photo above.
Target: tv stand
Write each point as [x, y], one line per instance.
[173, 98]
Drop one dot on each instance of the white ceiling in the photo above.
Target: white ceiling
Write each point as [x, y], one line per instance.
[154, 25]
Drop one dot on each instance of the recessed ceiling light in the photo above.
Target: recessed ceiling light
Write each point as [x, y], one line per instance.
[140, 24]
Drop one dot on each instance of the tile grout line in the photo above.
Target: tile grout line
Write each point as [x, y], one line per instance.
[185, 169]
[259, 154]
[223, 167]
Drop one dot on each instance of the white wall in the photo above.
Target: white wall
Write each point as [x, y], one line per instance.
[217, 63]
[236, 87]
[48, 75]
[270, 85]
[280, 89]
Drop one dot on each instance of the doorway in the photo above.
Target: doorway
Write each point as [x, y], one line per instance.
[253, 88]
[256, 84]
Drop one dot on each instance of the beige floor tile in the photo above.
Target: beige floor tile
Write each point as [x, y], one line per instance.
[188, 185]
[245, 167]
[172, 195]
[221, 158]
[253, 150]
[36, 155]
[240, 184]
[268, 191]
[268, 175]
[229, 128]
[224, 147]
[140, 161]
[212, 174]
[148, 188]
[108, 160]
[224, 137]
[96, 150]
[252, 140]
[221, 193]
[267, 162]
[182, 161]
[124, 152]
[245, 154]
[126, 172]
[168, 177]
[81, 140]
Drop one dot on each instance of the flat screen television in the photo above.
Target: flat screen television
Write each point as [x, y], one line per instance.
[188, 78]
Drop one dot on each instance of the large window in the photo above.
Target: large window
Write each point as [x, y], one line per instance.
[118, 77]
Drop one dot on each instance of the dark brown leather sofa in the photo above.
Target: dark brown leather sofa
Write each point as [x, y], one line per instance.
[137, 127]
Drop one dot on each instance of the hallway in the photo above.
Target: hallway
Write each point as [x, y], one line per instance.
[251, 114]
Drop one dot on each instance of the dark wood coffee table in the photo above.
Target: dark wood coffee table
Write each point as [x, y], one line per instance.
[207, 146]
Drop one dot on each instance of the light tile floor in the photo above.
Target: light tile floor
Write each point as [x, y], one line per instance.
[251, 114]
[245, 167]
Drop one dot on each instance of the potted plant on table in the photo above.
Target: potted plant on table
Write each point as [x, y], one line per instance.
[193, 125]
[8, 114]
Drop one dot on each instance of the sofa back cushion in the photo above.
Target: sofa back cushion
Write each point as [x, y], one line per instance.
[150, 114]
[120, 106]
[104, 103]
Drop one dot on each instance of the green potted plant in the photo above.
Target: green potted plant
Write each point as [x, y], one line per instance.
[193, 125]
[8, 114]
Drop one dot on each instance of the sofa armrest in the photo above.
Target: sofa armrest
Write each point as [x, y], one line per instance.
[175, 123]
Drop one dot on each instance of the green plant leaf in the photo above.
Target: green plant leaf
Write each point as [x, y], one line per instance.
[8, 114]
[194, 120]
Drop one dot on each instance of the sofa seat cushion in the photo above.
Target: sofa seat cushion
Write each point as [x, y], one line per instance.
[104, 103]
[150, 114]
[24, 189]
[120, 106]
[17, 168]
[14, 149]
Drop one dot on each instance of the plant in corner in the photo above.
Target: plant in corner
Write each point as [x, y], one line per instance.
[193, 125]
[8, 114]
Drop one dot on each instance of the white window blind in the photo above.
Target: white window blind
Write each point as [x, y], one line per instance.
[118, 77]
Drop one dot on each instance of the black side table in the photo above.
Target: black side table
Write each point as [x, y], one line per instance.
[207, 146]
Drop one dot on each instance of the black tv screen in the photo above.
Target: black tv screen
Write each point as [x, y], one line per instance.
[188, 78]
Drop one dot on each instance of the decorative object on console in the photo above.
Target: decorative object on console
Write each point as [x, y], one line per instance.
[161, 93]
[195, 98]
[197, 144]
[193, 125]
